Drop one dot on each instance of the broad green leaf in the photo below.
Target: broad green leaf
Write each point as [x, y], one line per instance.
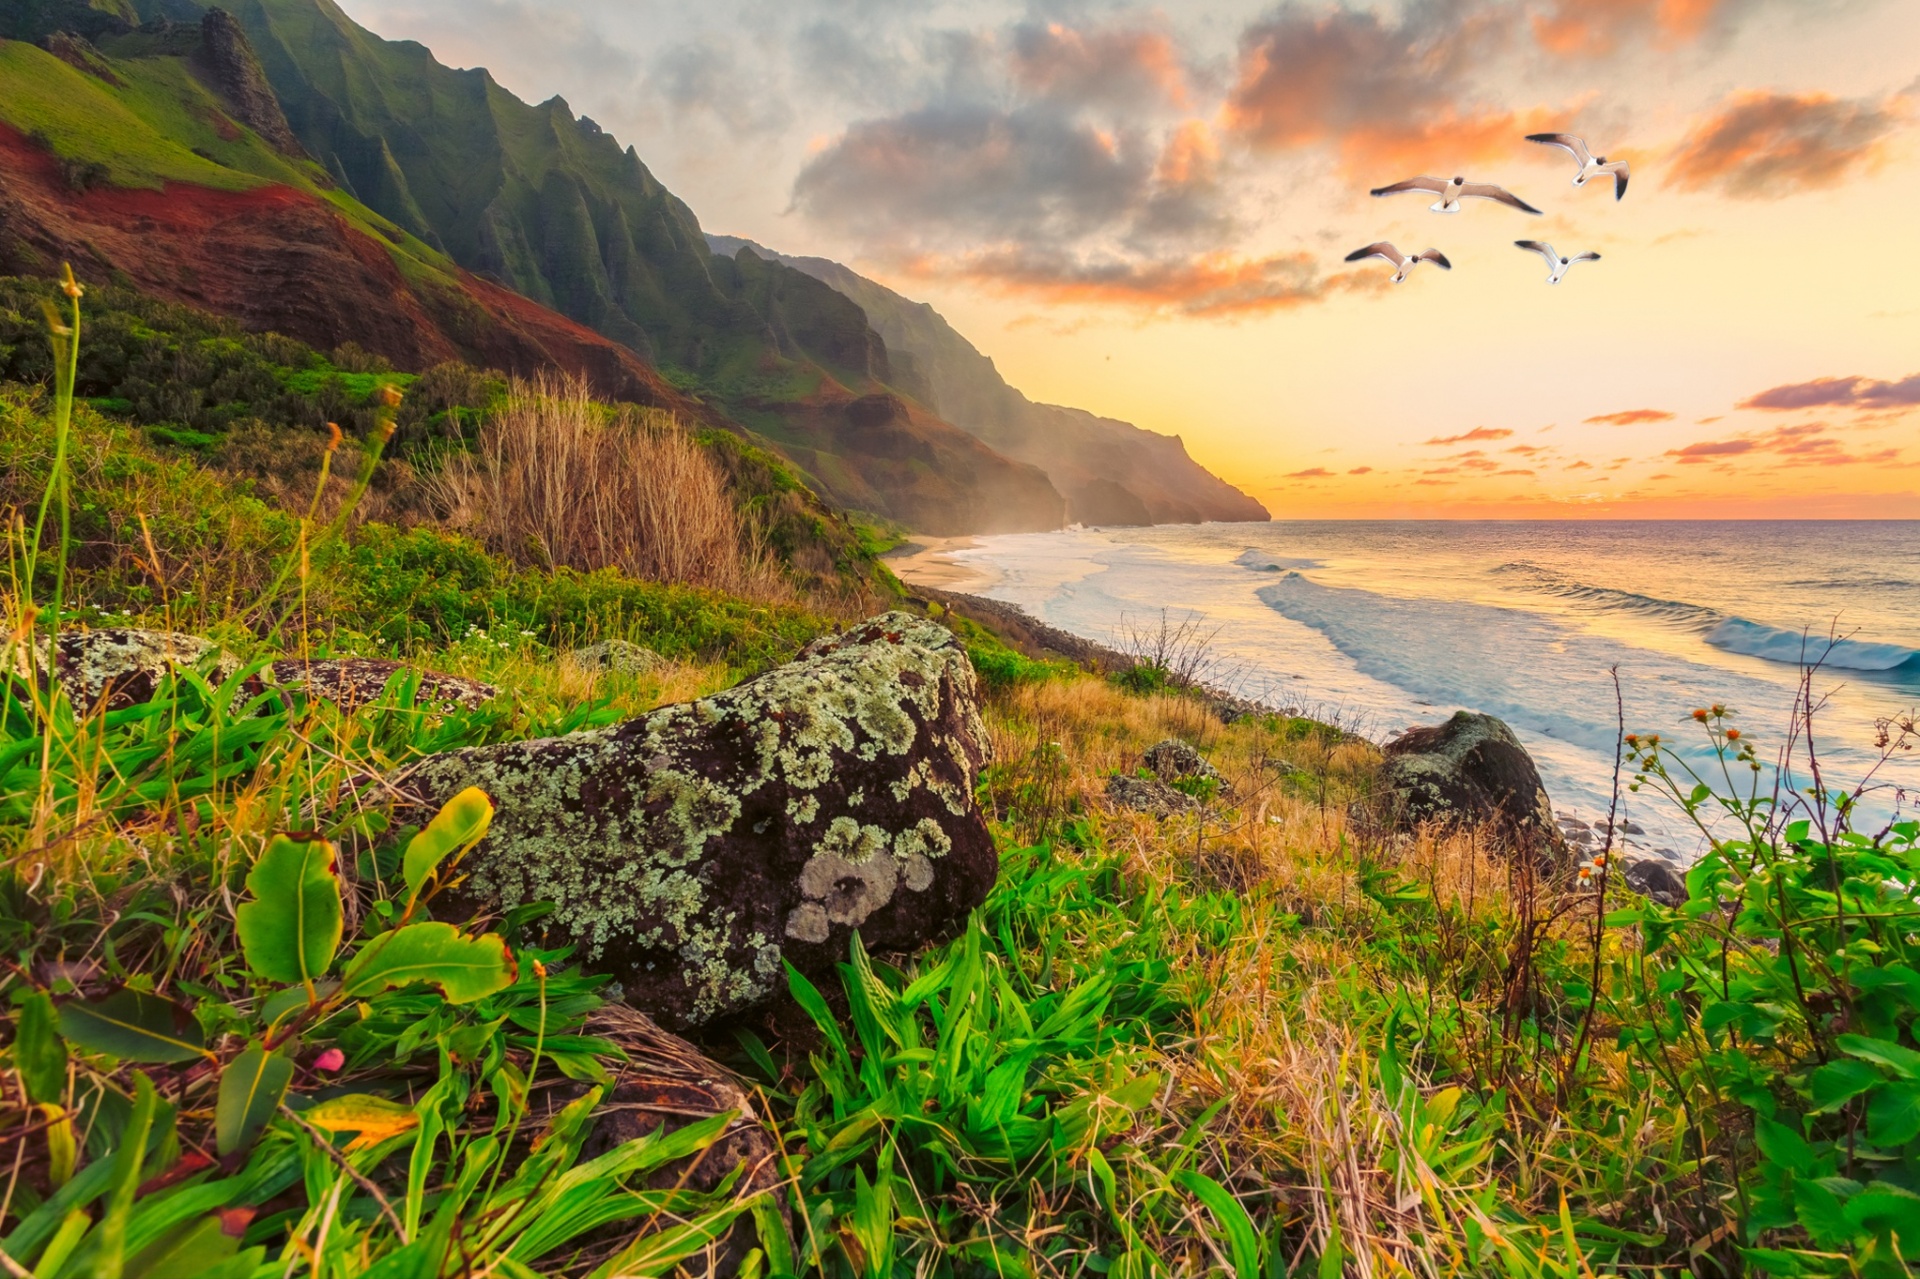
[250, 1090]
[1819, 1212]
[1782, 1145]
[134, 1026]
[1244, 1241]
[291, 928]
[1839, 1082]
[465, 968]
[38, 1054]
[293, 999]
[1898, 1058]
[1893, 1115]
[459, 825]
[109, 1241]
[188, 1251]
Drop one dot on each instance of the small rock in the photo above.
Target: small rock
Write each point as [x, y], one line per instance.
[1471, 770]
[352, 682]
[1148, 795]
[623, 656]
[1655, 880]
[1571, 824]
[694, 851]
[1628, 827]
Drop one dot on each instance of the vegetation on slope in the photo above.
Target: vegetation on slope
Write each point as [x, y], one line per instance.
[1263, 1038]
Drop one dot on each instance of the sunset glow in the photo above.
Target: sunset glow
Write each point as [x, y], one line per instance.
[1143, 213]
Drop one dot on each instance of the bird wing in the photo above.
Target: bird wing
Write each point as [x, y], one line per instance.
[1619, 171]
[1435, 185]
[1566, 142]
[1544, 250]
[1438, 258]
[1488, 191]
[1379, 249]
[1588, 256]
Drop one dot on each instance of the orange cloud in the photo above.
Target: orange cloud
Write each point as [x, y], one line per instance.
[1767, 145]
[1631, 417]
[1849, 392]
[1576, 28]
[1216, 285]
[1477, 433]
[1318, 472]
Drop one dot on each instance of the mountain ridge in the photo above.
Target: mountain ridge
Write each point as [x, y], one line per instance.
[1110, 471]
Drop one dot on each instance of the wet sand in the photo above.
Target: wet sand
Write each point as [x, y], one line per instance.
[928, 562]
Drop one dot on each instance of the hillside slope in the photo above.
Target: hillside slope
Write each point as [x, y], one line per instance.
[1111, 472]
[145, 158]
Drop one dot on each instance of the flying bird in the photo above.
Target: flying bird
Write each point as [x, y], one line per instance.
[1451, 192]
[1554, 260]
[1402, 264]
[1591, 165]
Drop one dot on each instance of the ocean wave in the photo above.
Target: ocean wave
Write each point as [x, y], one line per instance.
[1772, 643]
[1265, 562]
[1546, 582]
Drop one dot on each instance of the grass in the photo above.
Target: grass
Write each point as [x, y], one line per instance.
[1265, 1037]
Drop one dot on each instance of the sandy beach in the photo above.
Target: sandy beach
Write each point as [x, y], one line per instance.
[929, 562]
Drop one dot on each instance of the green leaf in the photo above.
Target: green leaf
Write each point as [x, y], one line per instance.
[464, 968]
[250, 1090]
[1782, 1145]
[1902, 1060]
[459, 824]
[291, 928]
[1839, 1082]
[187, 1251]
[38, 1054]
[110, 1240]
[1819, 1212]
[1893, 1115]
[1233, 1218]
[134, 1026]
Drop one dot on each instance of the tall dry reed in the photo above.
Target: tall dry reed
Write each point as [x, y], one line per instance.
[559, 480]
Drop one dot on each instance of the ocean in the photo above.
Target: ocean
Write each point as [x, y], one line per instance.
[1383, 625]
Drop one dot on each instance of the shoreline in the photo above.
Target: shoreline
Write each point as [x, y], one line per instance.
[927, 562]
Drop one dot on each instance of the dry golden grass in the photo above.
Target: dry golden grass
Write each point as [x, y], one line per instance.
[561, 480]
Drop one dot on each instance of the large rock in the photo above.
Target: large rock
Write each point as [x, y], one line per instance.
[693, 850]
[1471, 771]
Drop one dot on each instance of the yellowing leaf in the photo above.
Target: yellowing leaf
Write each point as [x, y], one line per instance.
[458, 826]
[374, 1118]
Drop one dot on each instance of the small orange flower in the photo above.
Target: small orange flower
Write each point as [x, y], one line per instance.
[1701, 716]
[68, 285]
[333, 436]
[1733, 734]
[389, 395]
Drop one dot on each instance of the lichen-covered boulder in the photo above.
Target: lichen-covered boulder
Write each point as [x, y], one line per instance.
[354, 681]
[124, 666]
[121, 666]
[1471, 771]
[622, 656]
[693, 850]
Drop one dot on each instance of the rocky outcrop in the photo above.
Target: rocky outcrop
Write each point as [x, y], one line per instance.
[1471, 771]
[228, 64]
[695, 850]
[119, 667]
[1655, 879]
[1177, 779]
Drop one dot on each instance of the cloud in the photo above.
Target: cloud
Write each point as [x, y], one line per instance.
[1316, 473]
[1708, 450]
[1115, 67]
[1361, 470]
[1762, 145]
[1383, 92]
[1518, 471]
[1586, 28]
[1477, 433]
[1631, 417]
[1802, 444]
[1217, 285]
[1843, 392]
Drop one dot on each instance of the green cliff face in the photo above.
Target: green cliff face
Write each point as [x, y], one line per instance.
[544, 202]
[1111, 472]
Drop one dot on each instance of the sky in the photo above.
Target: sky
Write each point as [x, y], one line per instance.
[1145, 212]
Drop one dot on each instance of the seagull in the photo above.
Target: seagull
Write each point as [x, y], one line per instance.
[1456, 190]
[1554, 260]
[1591, 165]
[1402, 264]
